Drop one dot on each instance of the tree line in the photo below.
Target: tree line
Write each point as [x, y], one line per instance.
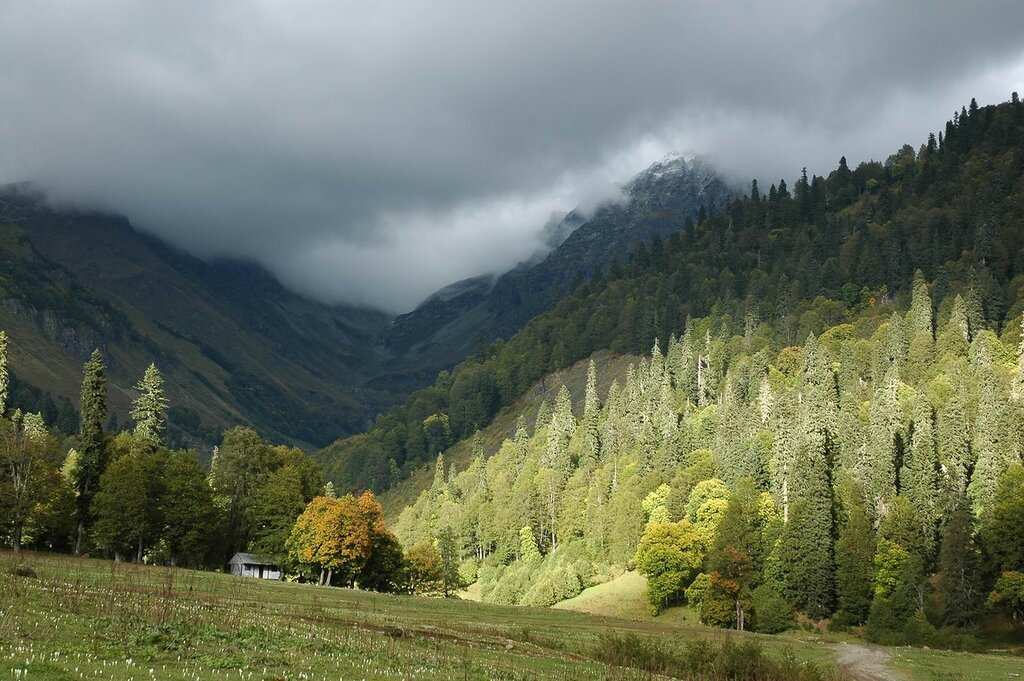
[871, 476]
[127, 496]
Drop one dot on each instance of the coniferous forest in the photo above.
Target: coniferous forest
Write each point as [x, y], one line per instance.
[825, 421]
[831, 426]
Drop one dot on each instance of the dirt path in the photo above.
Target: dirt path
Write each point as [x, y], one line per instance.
[866, 664]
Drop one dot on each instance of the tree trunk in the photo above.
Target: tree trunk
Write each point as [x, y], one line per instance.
[17, 537]
[138, 554]
[330, 575]
[78, 538]
[739, 616]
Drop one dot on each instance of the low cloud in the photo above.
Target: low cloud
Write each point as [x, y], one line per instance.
[371, 153]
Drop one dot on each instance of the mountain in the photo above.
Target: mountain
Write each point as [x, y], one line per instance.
[233, 344]
[798, 261]
[839, 386]
[460, 319]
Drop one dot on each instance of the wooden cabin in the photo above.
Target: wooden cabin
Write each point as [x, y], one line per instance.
[250, 565]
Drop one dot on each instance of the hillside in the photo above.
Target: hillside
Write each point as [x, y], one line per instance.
[458, 320]
[234, 345]
[953, 211]
[840, 391]
[611, 366]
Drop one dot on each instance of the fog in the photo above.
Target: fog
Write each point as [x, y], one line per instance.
[370, 153]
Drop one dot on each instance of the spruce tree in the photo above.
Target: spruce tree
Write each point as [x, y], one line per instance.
[877, 471]
[918, 477]
[960, 570]
[92, 459]
[855, 554]
[1003, 524]
[149, 408]
[808, 536]
[591, 412]
[919, 329]
[955, 336]
[989, 443]
[4, 378]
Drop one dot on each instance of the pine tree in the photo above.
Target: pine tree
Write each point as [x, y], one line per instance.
[808, 536]
[1003, 524]
[954, 444]
[448, 549]
[988, 445]
[149, 408]
[735, 557]
[591, 413]
[439, 486]
[877, 471]
[4, 378]
[1017, 388]
[955, 336]
[855, 554]
[918, 477]
[960, 570]
[920, 331]
[92, 459]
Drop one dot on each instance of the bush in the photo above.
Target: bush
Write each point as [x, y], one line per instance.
[512, 584]
[553, 586]
[468, 570]
[772, 613]
[701, 659]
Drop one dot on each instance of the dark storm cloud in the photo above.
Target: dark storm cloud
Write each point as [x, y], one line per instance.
[372, 152]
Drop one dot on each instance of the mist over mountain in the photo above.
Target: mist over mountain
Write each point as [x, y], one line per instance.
[371, 155]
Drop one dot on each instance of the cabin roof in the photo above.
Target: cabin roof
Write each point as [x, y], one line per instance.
[251, 559]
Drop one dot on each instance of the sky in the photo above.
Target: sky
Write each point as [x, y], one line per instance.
[370, 153]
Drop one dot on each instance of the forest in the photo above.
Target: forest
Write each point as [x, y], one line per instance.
[125, 495]
[838, 436]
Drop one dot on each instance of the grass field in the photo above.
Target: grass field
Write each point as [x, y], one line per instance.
[92, 619]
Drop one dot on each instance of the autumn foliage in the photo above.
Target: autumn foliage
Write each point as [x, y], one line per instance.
[335, 536]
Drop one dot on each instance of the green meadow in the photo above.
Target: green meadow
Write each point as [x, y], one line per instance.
[80, 618]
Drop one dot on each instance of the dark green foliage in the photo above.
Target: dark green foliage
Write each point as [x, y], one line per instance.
[126, 517]
[272, 511]
[386, 570]
[960, 570]
[92, 456]
[1003, 527]
[855, 553]
[448, 550]
[186, 515]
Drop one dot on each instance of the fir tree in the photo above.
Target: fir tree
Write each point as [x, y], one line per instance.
[591, 412]
[918, 477]
[959, 582]
[1003, 524]
[149, 408]
[92, 459]
[855, 553]
[808, 537]
[989, 445]
[878, 469]
[4, 378]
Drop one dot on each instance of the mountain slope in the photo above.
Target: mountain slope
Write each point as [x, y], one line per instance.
[234, 345]
[792, 259]
[455, 322]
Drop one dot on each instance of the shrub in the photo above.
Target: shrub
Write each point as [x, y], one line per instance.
[772, 613]
[553, 586]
